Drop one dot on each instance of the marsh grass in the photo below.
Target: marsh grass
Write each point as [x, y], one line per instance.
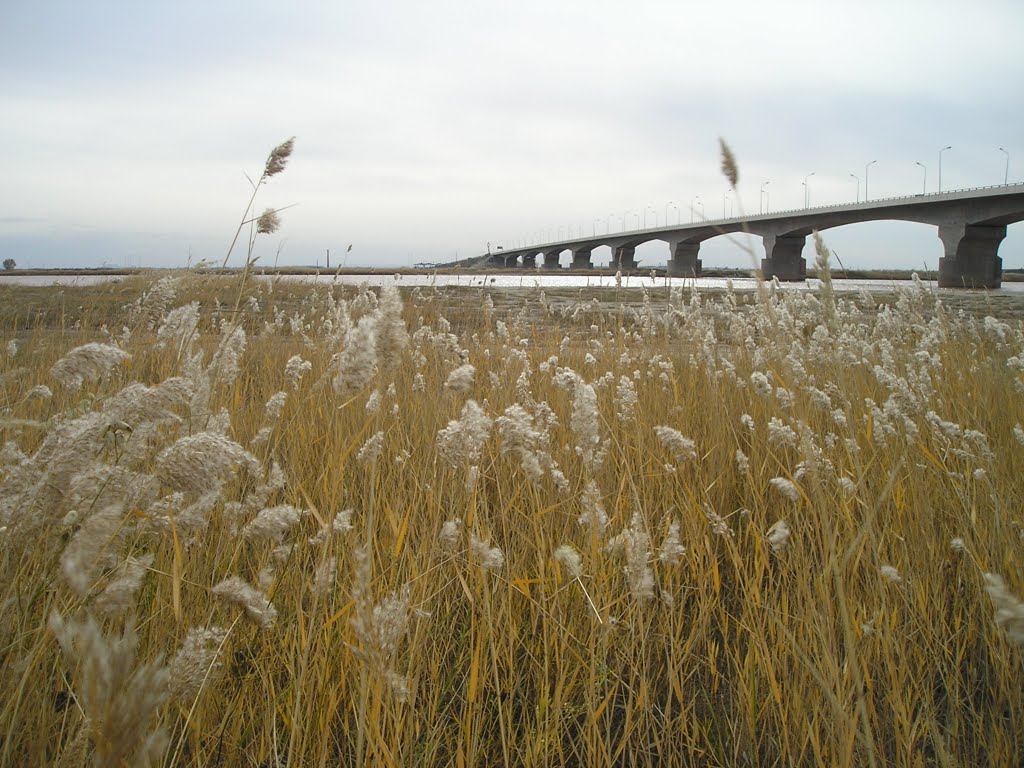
[738, 653]
[436, 527]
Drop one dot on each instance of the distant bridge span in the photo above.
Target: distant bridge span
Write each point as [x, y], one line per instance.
[971, 224]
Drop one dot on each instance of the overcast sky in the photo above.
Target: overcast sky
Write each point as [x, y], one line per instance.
[428, 129]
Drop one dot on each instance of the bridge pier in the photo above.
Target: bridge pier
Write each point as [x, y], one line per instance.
[551, 260]
[529, 261]
[971, 260]
[683, 261]
[581, 259]
[784, 257]
[625, 257]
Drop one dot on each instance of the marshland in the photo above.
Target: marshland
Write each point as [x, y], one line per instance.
[252, 521]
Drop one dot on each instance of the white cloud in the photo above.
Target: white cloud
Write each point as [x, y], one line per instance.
[433, 128]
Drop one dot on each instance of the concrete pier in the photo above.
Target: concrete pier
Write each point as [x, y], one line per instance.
[971, 260]
[971, 224]
[683, 261]
[784, 258]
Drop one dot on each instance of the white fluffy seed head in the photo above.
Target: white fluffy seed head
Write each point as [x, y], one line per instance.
[197, 664]
[461, 379]
[570, 559]
[672, 549]
[463, 440]
[785, 487]
[1009, 609]
[683, 448]
[200, 462]
[258, 608]
[273, 523]
[449, 536]
[889, 573]
[778, 537]
[491, 558]
[89, 362]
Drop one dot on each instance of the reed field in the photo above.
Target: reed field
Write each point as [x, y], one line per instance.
[249, 522]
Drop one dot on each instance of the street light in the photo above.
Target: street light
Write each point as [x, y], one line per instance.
[666, 211]
[807, 190]
[764, 197]
[1006, 173]
[679, 215]
[694, 202]
[858, 185]
[940, 165]
[924, 183]
[866, 167]
[609, 225]
[725, 197]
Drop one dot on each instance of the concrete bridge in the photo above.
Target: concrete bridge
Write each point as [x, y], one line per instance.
[971, 224]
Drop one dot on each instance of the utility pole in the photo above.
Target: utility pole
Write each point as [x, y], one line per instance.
[328, 258]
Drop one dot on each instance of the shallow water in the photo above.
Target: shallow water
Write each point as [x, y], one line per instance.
[544, 280]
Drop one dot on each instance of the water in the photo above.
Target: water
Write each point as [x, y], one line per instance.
[520, 280]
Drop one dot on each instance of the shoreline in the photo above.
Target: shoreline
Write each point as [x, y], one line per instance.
[725, 272]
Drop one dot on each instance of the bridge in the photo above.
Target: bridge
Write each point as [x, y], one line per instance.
[971, 224]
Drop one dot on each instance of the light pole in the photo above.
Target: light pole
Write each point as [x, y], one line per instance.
[679, 215]
[725, 198]
[594, 227]
[940, 165]
[807, 190]
[637, 215]
[866, 167]
[764, 197]
[701, 204]
[924, 181]
[1006, 173]
[666, 211]
[858, 186]
[609, 227]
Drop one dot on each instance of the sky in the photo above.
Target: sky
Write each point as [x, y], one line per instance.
[426, 130]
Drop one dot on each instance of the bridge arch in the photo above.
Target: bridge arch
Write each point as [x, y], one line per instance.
[877, 243]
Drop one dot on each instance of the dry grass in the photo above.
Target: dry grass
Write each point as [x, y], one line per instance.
[895, 428]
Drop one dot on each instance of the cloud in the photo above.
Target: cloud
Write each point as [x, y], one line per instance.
[433, 128]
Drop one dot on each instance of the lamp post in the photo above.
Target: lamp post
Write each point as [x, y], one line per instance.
[924, 181]
[609, 226]
[866, 167]
[763, 197]
[858, 186]
[807, 190]
[679, 215]
[725, 198]
[666, 211]
[1006, 173]
[637, 215]
[940, 165]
